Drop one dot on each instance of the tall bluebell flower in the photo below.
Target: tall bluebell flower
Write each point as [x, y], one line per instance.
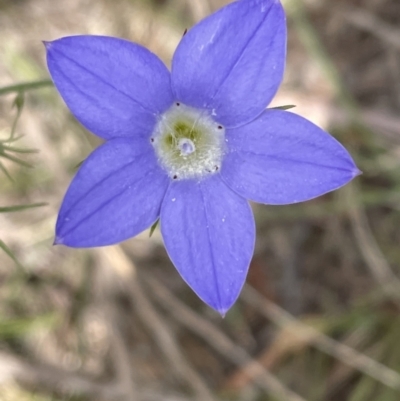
[190, 146]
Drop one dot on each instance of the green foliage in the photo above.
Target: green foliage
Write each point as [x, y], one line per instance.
[12, 153]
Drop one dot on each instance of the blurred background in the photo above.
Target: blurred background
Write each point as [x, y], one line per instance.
[319, 316]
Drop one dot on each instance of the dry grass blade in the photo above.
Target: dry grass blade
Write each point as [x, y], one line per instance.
[64, 383]
[366, 21]
[156, 326]
[370, 251]
[219, 341]
[373, 256]
[104, 291]
[320, 341]
[122, 364]
[379, 120]
[55, 379]
[164, 338]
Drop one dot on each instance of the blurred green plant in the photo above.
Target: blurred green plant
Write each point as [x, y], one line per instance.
[12, 153]
[19, 327]
[7, 150]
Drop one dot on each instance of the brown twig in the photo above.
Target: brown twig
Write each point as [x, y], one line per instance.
[219, 341]
[342, 352]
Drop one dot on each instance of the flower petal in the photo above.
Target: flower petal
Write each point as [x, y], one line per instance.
[232, 62]
[282, 158]
[209, 234]
[112, 86]
[115, 195]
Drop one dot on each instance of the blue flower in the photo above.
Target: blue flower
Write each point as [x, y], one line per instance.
[190, 146]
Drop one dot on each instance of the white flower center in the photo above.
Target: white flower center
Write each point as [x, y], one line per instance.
[188, 143]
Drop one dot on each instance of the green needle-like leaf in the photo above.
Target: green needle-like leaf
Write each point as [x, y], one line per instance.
[79, 164]
[10, 140]
[6, 173]
[286, 107]
[153, 228]
[15, 160]
[19, 100]
[18, 208]
[8, 251]
[18, 150]
[19, 104]
[25, 86]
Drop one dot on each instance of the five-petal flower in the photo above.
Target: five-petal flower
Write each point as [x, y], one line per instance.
[191, 146]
